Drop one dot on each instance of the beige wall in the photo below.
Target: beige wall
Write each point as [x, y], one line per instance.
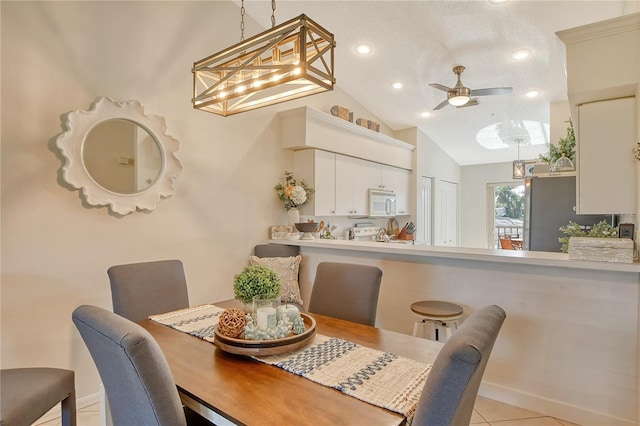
[61, 56]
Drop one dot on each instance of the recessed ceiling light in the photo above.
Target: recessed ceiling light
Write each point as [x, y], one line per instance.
[397, 85]
[520, 54]
[498, 1]
[532, 93]
[364, 49]
[425, 114]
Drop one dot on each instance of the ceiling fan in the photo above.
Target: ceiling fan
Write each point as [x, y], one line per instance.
[460, 96]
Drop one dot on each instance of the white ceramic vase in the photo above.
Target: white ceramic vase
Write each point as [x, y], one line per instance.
[293, 216]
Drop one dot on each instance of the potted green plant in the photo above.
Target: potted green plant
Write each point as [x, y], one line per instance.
[566, 148]
[258, 280]
[600, 230]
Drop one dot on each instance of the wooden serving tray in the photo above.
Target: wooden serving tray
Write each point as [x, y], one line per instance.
[240, 346]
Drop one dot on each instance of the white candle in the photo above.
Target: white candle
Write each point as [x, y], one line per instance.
[266, 317]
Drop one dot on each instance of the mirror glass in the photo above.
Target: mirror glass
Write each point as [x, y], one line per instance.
[119, 156]
[122, 156]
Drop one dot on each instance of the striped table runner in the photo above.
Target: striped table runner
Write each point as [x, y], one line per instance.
[379, 378]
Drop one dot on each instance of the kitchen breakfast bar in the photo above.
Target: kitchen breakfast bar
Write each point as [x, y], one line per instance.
[569, 345]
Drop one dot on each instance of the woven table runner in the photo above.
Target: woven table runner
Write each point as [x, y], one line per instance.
[199, 321]
[379, 378]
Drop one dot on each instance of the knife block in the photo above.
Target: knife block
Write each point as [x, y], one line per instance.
[403, 235]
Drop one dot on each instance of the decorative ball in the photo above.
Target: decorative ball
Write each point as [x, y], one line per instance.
[232, 322]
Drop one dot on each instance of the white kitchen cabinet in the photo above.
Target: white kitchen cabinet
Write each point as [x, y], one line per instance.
[318, 169]
[399, 181]
[354, 177]
[605, 136]
[342, 183]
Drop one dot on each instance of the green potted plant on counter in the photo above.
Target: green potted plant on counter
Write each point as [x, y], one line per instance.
[563, 156]
[600, 230]
[258, 280]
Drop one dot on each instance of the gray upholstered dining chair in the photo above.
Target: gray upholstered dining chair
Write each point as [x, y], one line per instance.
[147, 288]
[135, 373]
[451, 388]
[347, 291]
[26, 394]
[276, 250]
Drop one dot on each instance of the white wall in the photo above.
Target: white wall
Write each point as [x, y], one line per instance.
[61, 56]
[430, 161]
[473, 216]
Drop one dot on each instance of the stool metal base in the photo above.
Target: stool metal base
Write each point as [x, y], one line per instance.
[434, 329]
[438, 319]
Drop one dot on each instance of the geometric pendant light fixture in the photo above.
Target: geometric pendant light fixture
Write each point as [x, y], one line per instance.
[289, 61]
[518, 165]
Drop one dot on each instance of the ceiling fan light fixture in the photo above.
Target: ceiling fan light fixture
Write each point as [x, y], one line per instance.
[459, 96]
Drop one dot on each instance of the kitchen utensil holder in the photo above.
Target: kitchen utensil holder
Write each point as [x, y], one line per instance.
[404, 235]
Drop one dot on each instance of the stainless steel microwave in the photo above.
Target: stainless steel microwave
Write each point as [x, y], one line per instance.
[382, 203]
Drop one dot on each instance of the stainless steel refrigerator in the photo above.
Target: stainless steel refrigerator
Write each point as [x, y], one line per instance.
[549, 204]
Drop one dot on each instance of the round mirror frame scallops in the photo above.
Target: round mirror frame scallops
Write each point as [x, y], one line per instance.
[78, 124]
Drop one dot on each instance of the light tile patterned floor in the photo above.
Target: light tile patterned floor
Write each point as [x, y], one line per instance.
[87, 416]
[487, 412]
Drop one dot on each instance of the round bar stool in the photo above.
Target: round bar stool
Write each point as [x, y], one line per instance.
[441, 319]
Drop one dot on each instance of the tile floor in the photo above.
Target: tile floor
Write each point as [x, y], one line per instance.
[487, 412]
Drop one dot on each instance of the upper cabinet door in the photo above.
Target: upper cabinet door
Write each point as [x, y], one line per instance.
[399, 181]
[318, 169]
[354, 177]
[605, 135]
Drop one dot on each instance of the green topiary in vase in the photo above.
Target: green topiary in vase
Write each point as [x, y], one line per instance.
[259, 280]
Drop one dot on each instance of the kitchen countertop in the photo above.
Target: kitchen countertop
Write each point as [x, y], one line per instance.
[465, 253]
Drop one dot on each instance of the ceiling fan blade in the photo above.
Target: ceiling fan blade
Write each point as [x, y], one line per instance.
[440, 86]
[472, 102]
[441, 104]
[492, 91]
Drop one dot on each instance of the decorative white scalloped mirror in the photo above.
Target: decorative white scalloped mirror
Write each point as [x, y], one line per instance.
[119, 156]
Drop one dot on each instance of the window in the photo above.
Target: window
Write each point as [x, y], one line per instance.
[505, 212]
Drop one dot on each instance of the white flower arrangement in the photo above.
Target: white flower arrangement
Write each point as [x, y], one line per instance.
[293, 193]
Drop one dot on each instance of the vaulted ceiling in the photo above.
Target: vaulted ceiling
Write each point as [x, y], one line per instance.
[419, 42]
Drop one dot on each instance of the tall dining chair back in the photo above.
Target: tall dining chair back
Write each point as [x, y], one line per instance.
[346, 291]
[136, 376]
[276, 250]
[451, 388]
[142, 289]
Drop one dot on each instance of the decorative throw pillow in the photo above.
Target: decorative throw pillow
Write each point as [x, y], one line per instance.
[287, 268]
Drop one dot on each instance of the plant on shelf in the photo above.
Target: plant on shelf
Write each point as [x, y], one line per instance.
[566, 146]
[293, 193]
[259, 280]
[600, 230]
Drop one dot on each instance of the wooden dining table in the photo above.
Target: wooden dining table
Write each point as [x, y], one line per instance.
[237, 389]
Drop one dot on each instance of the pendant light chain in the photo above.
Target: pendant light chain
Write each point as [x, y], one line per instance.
[273, 13]
[242, 20]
